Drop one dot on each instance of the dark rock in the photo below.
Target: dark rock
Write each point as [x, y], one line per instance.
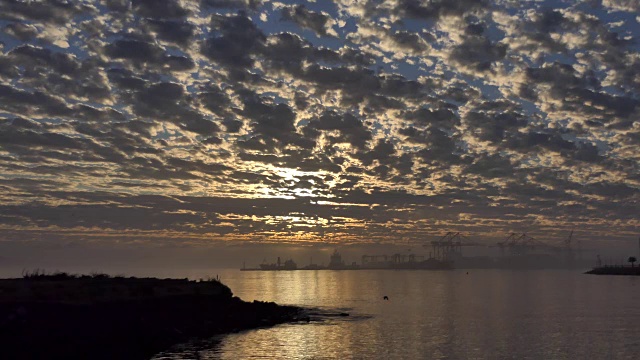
[134, 324]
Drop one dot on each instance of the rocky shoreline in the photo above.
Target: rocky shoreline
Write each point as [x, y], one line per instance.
[101, 317]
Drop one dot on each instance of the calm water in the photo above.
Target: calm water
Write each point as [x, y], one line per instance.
[486, 314]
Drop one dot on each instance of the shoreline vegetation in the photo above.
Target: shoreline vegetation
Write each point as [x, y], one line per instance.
[98, 316]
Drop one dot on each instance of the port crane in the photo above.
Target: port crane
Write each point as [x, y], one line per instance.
[449, 246]
[567, 248]
[518, 244]
[567, 241]
[569, 251]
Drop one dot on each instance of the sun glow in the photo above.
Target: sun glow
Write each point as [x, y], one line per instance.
[301, 183]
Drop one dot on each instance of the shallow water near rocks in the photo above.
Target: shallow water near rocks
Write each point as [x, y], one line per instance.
[485, 314]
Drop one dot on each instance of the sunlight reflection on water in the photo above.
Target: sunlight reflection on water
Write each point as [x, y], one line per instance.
[488, 314]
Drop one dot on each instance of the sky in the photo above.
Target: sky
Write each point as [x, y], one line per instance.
[206, 125]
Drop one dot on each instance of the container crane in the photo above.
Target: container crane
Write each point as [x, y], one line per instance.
[518, 244]
[449, 246]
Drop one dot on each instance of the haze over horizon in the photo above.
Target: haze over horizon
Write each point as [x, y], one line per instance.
[208, 127]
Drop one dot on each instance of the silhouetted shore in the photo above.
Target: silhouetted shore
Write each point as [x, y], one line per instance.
[615, 270]
[101, 317]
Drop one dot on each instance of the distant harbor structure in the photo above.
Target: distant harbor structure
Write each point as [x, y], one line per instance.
[617, 269]
[396, 261]
[288, 265]
[335, 261]
[516, 251]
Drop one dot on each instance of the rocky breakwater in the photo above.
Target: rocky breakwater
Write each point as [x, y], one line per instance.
[615, 270]
[101, 317]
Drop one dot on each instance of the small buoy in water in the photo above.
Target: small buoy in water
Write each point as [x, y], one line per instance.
[385, 297]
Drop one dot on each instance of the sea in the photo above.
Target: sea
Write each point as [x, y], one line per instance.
[457, 314]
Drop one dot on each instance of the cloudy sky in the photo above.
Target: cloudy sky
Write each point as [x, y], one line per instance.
[203, 122]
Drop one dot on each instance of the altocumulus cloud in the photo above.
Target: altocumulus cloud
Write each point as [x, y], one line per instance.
[357, 121]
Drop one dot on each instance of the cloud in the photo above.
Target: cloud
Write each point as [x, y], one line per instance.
[239, 38]
[236, 120]
[622, 5]
[437, 9]
[20, 31]
[494, 120]
[178, 32]
[349, 129]
[319, 22]
[58, 12]
[169, 9]
[141, 54]
[583, 95]
[233, 4]
[478, 53]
